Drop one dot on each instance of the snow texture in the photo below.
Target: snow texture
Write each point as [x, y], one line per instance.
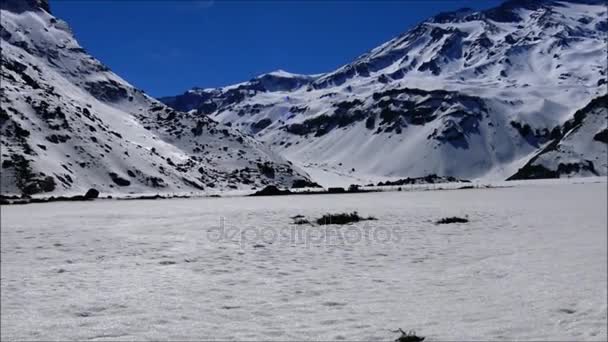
[529, 265]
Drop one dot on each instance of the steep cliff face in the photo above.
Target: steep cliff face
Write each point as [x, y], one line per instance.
[68, 123]
[466, 94]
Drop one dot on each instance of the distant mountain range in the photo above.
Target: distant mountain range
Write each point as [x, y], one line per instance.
[518, 91]
[468, 94]
[68, 124]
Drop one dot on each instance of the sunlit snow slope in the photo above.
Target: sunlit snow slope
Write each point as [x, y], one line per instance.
[68, 124]
[466, 94]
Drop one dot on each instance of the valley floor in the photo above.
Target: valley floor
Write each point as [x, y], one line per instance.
[531, 263]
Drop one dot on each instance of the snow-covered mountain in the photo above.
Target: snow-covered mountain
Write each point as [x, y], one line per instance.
[68, 124]
[465, 94]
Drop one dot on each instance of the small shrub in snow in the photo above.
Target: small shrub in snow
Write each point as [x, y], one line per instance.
[454, 219]
[409, 336]
[300, 221]
[342, 218]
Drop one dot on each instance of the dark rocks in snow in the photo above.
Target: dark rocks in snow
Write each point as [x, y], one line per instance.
[510, 40]
[457, 128]
[266, 169]
[20, 69]
[6, 163]
[58, 138]
[271, 190]
[602, 136]
[116, 134]
[91, 194]
[261, 124]
[198, 130]
[193, 184]
[28, 181]
[4, 117]
[38, 185]
[383, 79]
[207, 107]
[304, 183]
[119, 180]
[431, 66]
[347, 105]
[538, 171]
[30, 81]
[20, 132]
[451, 132]
[370, 122]
[530, 171]
[570, 168]
[429, 179]
[110, 90]
[323, 124]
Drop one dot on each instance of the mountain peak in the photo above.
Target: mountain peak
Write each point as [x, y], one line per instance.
[281, 73]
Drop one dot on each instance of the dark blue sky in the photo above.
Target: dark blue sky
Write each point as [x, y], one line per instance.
[167, 47]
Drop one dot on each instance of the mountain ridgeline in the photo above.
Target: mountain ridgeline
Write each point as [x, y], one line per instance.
[468, 94]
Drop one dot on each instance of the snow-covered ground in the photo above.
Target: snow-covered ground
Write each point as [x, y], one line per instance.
[530, 264]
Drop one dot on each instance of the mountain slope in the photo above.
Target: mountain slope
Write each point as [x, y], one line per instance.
[68, 123]
[465, 94]
[581, 150]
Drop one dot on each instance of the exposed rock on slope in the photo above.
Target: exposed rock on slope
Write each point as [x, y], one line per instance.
[580, 150]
